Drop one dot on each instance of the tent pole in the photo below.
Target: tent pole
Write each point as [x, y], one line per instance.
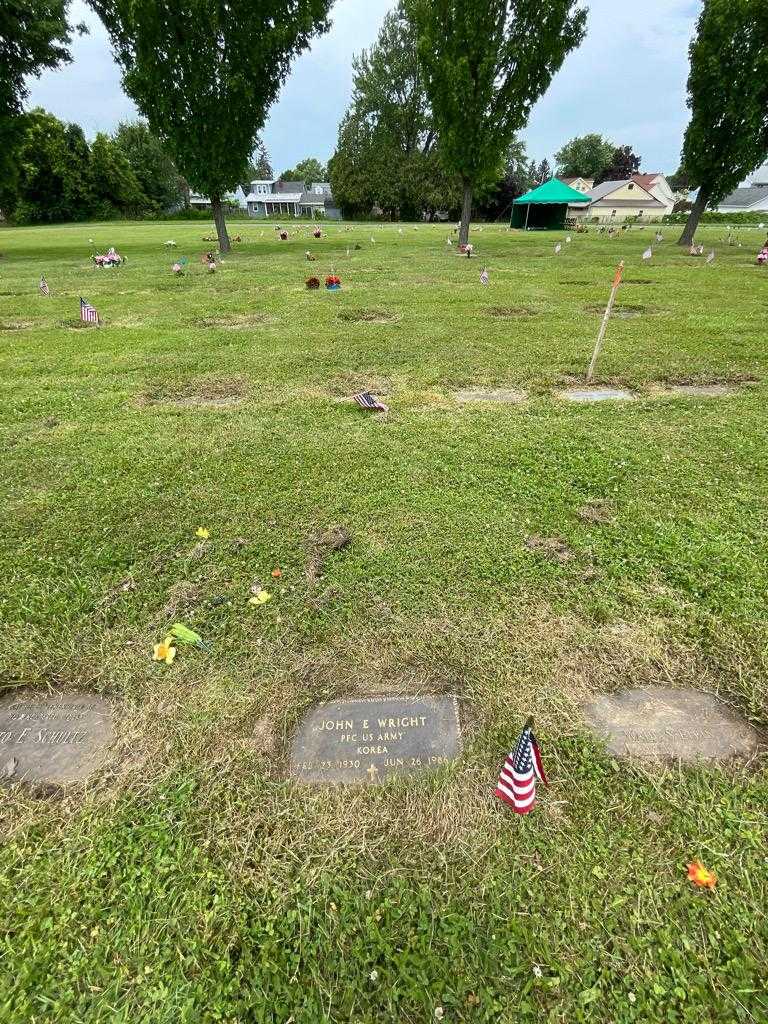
[527, 215]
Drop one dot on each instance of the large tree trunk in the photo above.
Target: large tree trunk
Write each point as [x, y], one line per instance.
[221, 224]
[694, 217]
[466, 214]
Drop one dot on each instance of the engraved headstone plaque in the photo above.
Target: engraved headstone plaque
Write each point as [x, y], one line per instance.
[367, 740]
[53, 740]
[659, 724]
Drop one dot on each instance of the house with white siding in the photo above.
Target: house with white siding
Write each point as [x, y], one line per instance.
[291, 199]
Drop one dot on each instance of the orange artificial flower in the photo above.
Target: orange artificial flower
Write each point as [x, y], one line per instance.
[277, 573]
[701, 876]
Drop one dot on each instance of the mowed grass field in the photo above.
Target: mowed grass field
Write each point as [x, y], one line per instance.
[192, 882]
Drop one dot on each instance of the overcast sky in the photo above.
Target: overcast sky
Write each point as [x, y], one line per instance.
[627, 81]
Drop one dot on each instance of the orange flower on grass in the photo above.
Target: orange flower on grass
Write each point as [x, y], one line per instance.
[277, 573]
[701, 876]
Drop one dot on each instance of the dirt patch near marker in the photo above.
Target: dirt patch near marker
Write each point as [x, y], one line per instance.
[596, 513]
[367, 316]
[700, 390]
[554, 549]
[639, 280]
[509, 396]
[233, 321]
[207, 392]
[16, 325]
[321, 547]
[78, 325]
[621, 312]
[511, 312]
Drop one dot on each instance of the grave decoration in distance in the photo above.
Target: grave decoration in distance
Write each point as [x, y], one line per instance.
[367, 740]
[660, 724]
[53, 740]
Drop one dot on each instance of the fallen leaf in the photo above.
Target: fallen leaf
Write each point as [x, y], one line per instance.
[701, 876]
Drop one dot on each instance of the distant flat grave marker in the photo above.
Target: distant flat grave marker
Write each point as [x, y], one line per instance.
[658, 724]
[53, 740]
[369, 739]
[597, 394]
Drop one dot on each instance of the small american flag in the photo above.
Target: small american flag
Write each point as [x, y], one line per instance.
[648, 253]
[558, 249]
[88, 313]
[484, 279]
[43, 286]
[517, 782]
[711, 257]
[368, 401]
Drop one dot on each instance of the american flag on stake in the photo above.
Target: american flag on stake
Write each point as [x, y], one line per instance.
[517, 782]
[368, 401]
[711, 257]
[648, 253]
[558, 248]
[88, 313]
[484, 279]
[43, 286]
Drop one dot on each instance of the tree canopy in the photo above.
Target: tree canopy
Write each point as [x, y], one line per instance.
[727, 136]
[205, 74]
[160, 181]
[387, 153]
[586, 156]
[485, 63]
[34, 35]
[307, 170]
[622, 165]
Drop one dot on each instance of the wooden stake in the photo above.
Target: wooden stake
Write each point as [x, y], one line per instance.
[606, 318]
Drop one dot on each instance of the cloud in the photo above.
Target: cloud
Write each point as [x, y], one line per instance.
[626, 81]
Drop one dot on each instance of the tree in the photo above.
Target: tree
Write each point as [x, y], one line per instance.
[727, 137]
[680, 181]
[205, 74]
[308, 170]
[388, 153]
[34, 34]
[586, 156]
[485, 63]
[113, 181]
[622, 165]
[160, 181]
[517, 180]
[542, 173]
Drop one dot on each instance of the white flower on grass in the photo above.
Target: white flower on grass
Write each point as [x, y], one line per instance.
[537, 971]
[439, 1013]
[374, 975]
[632, 997]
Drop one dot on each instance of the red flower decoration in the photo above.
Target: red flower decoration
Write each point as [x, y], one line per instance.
[332, 281]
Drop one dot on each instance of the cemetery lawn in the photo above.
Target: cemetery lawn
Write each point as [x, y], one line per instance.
[192, 882]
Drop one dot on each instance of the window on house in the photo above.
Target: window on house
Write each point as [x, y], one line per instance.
[631, 186]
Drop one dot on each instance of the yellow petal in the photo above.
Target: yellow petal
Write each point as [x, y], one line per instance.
[202, 533]
[261, 598]
[170, 655]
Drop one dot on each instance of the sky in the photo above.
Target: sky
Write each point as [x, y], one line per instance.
[626, 81]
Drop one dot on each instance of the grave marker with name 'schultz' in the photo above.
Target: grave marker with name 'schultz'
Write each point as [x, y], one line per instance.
[53, 740]
[369, 739]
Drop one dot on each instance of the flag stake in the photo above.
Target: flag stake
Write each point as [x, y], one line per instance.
[606, 318]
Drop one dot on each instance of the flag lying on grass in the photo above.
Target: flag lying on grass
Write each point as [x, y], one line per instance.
[43, 286]
[517, 782]
[368, 401]
[88, 313]
[648, 253]
[484, 278]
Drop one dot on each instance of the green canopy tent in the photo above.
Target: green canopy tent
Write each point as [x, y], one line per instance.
[546, 206]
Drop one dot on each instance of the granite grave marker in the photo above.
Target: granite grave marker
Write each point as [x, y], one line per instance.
[660, 723]
[53, 740]
[367, 740]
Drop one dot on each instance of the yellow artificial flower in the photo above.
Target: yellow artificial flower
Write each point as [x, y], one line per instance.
[202, 533]
[261, 598]
[165, 651]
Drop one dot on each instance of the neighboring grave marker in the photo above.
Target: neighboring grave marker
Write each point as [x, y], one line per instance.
[659, 724]
[369, 739]
[53, 740]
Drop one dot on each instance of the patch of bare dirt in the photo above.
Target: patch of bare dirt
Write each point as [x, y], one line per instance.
[639, 280]
[233, 321]
[321, 547]
[596, 513]
[16, 325]
[554, 549]
[511, 312]
[182, 597]
[206, 392]
[367, 316]
[623, 312]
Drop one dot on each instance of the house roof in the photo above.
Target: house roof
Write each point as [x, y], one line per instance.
[553, 191]
[744, 198]
[646, 180]
[290, 186]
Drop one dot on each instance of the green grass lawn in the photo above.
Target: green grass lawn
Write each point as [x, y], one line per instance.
[192, 882]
